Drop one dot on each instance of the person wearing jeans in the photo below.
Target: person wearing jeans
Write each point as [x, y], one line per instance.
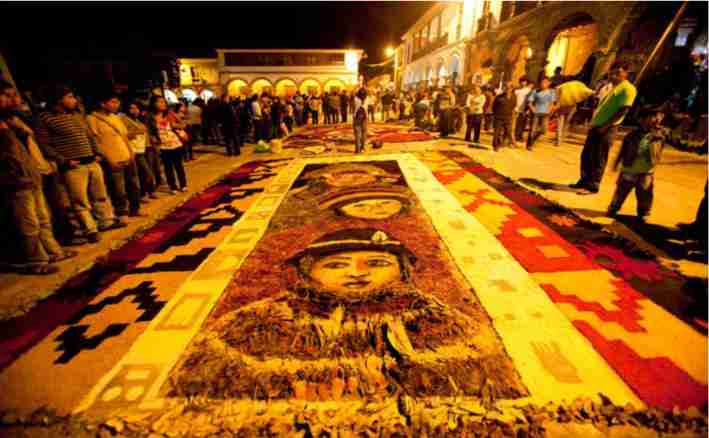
[541, 103]
[21, 182]
[609, 114]
[139, 138]
[475, 105]
[171, 151]
[66, 139]
[114, 147]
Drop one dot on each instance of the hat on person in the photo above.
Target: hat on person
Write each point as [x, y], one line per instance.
[338, 198]
[354, 239]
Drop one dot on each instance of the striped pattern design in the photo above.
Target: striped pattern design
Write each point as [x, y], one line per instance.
[67, 133]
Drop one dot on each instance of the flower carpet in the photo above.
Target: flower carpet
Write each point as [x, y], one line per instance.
[458, 288]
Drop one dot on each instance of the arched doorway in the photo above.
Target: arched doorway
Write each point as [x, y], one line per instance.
[454, 69]
[429, 74]
[286, 88]
[441, 73]
[571, 43]
[334, 86]
[206, 94]
[260, 86]
[238, 88]
[516, 59]
[310, 86]
[189, 94]
[171, 97]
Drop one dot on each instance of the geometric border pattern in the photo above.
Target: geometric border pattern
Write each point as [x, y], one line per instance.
[528, 323]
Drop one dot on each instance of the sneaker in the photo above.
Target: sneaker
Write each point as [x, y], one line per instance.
[45, 269]
[93, 238]
[578, 185]
[173, 192]
[114, 226]
[183, 189]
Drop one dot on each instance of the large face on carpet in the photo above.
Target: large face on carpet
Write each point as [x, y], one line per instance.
[349, 294]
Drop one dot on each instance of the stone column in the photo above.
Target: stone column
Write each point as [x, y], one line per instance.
[535, 65]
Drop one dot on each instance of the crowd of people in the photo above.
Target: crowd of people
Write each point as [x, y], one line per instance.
[68, 174]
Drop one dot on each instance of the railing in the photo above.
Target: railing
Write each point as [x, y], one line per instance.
[442, 41]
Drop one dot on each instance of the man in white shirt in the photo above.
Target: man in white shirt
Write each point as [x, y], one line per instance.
[521, 108]
[474, 106]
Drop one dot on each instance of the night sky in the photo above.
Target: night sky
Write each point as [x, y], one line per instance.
[45, 33]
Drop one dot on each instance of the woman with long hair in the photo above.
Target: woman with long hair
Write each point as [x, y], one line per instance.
[171, 150]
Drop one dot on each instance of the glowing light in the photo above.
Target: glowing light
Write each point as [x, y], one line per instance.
[352, 61]
[389, 51]
[529, 53]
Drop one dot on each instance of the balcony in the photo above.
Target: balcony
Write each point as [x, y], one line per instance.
[442, 41]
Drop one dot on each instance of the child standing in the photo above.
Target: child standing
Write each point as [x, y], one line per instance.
[639, 155]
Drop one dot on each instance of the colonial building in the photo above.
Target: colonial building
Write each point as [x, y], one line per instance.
[433, 50]
[243, 72]
[485, 40]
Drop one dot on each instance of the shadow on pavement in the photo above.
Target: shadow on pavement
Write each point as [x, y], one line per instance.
[545, 185]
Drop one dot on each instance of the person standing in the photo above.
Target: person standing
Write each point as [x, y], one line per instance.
[639, 155]
[171, 152]
[277, 110]
[610, 113]
[298, 109]
[139, 139]
[257, 116]
[387, 103]
[541, 103]
[521, 109]
[194, 125]
[315, 105]
[488, 117]
[114, 147]
[66, 138]
[503, 109]
[446, 101]
[359, 119]
[230, 128]
[371, 105]
[21, 184]
[344, 105]
[334, 107]
[475, 106]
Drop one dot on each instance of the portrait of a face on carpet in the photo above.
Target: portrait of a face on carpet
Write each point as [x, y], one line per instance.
[349, 294]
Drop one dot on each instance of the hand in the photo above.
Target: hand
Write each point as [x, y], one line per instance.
[603, 129]
[554, 362]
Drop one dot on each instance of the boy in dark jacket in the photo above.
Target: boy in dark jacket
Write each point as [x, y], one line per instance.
[639, 155]
[21, 184]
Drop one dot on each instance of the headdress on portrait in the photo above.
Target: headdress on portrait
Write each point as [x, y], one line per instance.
[349, 168]
[354, 239]
[336, 199]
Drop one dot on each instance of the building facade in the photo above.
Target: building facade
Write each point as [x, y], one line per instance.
[492, 41]
[433, 50]
[283, 72]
